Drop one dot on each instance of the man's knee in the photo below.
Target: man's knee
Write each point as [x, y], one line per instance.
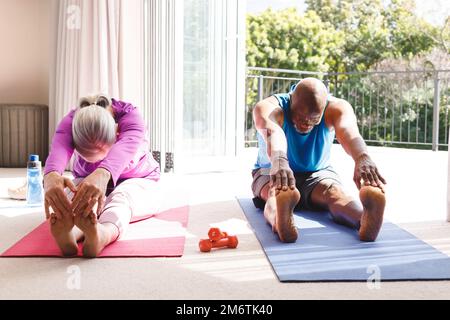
[264, 193]
[332, 191]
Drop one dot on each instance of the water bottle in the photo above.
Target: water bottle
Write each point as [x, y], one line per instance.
[35, 190]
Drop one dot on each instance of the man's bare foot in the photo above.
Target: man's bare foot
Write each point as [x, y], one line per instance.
[270, 209]
[373, 201]
[96, 235]
[284, 221]
[280, 214]
[61, 230]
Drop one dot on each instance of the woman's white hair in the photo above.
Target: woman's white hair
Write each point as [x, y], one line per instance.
[93, 126]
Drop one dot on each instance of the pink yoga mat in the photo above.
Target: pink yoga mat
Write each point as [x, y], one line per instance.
[153, 235]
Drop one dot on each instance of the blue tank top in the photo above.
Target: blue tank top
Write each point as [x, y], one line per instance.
[306, 152]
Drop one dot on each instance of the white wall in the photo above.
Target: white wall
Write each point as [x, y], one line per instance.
[24, 53]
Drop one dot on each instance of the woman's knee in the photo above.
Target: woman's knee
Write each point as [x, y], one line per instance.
[139, 196]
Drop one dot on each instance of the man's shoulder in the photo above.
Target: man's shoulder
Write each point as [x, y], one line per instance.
[338, 105]
[283, 99]
[277, 113]
[336, 109]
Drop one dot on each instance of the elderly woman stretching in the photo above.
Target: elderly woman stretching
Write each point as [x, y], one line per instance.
[115, 175]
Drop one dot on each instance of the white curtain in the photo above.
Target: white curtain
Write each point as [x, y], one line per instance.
[97, 47]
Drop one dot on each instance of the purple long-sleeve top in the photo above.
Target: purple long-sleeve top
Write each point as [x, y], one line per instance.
[129, 157]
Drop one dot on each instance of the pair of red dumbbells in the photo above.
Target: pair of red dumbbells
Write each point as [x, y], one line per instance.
[217, 239]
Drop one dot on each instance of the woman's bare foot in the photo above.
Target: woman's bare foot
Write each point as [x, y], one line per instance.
[96, 235]
[373, 201]
[61, 230]
[279, 211]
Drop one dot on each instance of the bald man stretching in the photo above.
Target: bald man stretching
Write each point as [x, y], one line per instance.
[295, 134]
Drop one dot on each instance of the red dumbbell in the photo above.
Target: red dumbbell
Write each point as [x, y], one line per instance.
[206, 244]
[217, 239]
[215, 234]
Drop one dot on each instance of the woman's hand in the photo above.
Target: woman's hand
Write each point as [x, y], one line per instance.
[91, 191]
[55, 196]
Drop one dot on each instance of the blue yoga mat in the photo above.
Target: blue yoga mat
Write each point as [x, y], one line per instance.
[326, 251]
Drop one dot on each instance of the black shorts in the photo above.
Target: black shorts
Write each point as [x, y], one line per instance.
[304, 181]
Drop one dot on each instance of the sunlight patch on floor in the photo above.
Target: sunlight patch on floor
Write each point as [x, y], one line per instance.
[233, 226]
[235, 266]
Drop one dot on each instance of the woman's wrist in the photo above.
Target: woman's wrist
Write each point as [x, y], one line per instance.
[50, 178]
[105, 173]
[52, 173]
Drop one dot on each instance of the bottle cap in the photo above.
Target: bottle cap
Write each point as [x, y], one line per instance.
[34, 157]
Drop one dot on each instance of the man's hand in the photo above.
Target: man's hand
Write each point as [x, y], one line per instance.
[281, 175]
[91, 191]
[367, 171]
[55, 197]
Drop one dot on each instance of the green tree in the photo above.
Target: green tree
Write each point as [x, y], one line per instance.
[341, 36]
[338, 35]
[409, 34]
[374, 31]
[284, 39]
[364, 31]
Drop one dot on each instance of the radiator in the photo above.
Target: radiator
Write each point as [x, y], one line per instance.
[23, 131]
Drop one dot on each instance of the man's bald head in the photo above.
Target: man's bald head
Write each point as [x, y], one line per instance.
[307, 104]
[310, 95]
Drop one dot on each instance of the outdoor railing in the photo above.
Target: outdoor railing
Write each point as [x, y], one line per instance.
[393, 108]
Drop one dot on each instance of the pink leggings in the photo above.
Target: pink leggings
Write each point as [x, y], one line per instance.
[133, 197]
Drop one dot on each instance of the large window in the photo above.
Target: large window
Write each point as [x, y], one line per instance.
[198, 128]
[195, 79]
